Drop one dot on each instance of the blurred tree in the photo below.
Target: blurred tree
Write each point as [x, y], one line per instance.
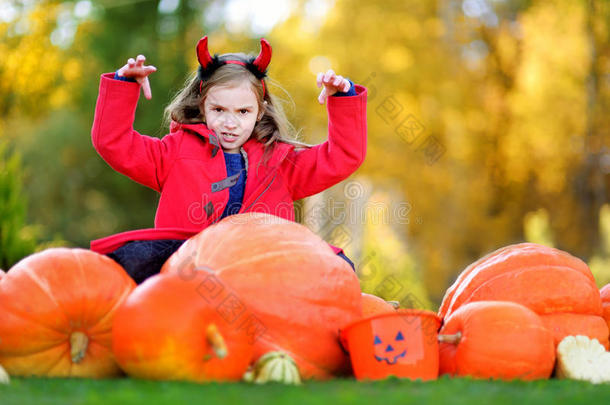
[388, 267]
[16, 238]
[31, 67]
[600, 262]
[74, 193]
[554, 108]
[537, 228]
[475, 115]
[590, 181]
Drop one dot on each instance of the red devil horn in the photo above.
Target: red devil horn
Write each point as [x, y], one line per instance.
[203, 54]
[264, 57]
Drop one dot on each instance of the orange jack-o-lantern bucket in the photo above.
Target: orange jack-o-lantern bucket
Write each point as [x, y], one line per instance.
[402, 344]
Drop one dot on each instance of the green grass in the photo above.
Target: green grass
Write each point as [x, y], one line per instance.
[125, 391]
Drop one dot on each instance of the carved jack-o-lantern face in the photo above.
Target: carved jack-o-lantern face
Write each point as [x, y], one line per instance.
[390, 347]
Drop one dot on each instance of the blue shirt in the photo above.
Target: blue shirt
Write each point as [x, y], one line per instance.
[235, 164]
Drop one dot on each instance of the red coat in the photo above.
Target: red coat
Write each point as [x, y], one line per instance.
[188, 168]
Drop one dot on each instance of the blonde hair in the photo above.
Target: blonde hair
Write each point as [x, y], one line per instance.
[272, 127]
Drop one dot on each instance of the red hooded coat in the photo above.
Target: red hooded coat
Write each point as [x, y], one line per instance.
[186, 167]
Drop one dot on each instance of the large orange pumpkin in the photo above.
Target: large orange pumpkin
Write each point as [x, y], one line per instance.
[168, 329]
[56, 310]
[605, 295]
[496, 339]
[288, 278]
[374, 305]
[554, 284]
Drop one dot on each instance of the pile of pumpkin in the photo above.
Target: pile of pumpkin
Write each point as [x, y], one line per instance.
[522, 312]
[259, 298]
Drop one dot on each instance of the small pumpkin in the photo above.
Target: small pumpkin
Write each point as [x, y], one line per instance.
[56, 311]
[554, 284]
[168, 330]
[582, 358]
[496, 339]
[289, 280]
[274, 367]
[605, 295]
[374, 305]
[4, 377]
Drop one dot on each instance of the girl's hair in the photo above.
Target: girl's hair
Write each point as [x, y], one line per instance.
[271, 128]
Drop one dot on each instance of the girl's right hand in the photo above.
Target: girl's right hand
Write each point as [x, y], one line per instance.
[136, 70]
[332, 83]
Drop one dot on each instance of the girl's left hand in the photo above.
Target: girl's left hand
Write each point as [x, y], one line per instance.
[332, 84]
[136, 69]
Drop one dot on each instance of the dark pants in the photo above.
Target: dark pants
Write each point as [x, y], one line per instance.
[144, 258]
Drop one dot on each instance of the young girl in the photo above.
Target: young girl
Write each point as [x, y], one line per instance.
[227, 151]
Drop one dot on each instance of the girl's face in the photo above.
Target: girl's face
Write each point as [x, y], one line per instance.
[231, 112]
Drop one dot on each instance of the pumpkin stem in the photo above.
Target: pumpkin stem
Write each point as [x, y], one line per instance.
[452, 339]
[78, 346]
[216, 340]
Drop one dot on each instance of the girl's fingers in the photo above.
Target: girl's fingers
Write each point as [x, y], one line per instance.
[135, 68]
[137, 72]
[146, 88]
[319, 79]
[332, 83]
[346, 85]
[123, 69]
[322, 96]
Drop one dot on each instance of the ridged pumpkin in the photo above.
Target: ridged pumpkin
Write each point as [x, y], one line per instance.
[581, 358]
[605, 295]
[56, 311]
[288, 278]
[274, 367]
[554, 284]
[168, 330]
[373, 305]
[496, 339]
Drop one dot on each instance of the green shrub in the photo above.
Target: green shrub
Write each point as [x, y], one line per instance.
[16, 239]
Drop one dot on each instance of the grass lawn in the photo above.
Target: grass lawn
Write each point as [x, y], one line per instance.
[126, 391]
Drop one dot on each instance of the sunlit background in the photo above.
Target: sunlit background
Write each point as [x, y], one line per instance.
[488, 123]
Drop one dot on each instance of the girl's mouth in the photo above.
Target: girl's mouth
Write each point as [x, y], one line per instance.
[228, 137]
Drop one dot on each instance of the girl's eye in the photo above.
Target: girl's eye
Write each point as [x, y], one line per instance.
[243, 111]
[217, 109]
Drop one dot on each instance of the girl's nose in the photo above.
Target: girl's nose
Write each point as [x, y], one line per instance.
[230, 121]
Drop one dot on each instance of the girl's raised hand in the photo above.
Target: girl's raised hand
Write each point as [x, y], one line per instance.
[332, 83]
[136, 70]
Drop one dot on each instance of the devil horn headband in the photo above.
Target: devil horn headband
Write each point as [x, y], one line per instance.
[208, 64]
[203, 55]
[264, 57]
